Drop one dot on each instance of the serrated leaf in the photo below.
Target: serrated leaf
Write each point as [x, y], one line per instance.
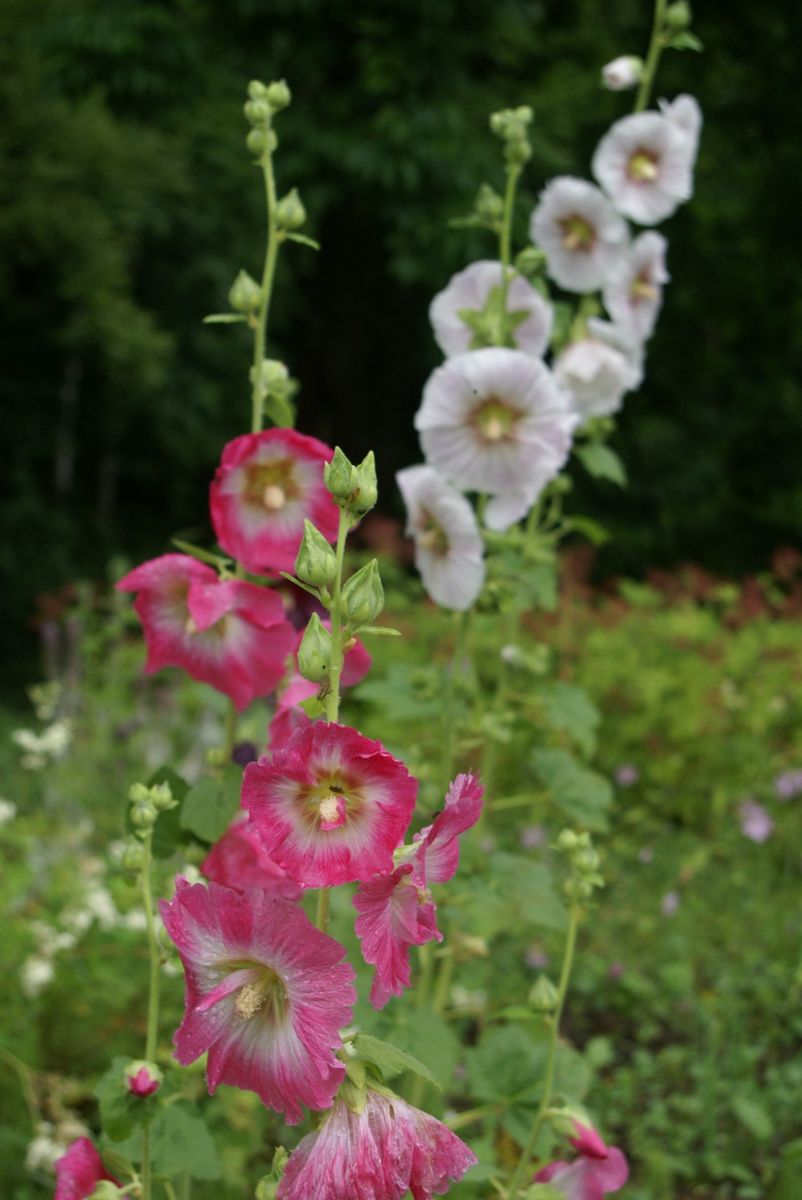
[391, 1060]
[583, 795]
[431, 1038]
[303, 240]
[224, 319]
[508, 1062]
[570, 709]
[181, 1141]
[602, 463]
[527, 889]
[210, 806]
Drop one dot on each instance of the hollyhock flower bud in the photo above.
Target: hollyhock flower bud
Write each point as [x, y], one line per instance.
[382, 1152]
[633, 291]
[622, 73]
[265, 486]
[330, 805]
[257, 141]
[495, 421]
[245, 294]
[600, 1169]
[363, 595]
[678, 16]
[316, 563]
[645, 165]
[230, 634]
[142, 1078]
[266, 995]
[543, 995]
[338, 475]
[396, 909]
[449, 551]
[288, 718]
[290, 212]
[470, 292]
[579, 231]
[79, 1171]
[257, 111]
[240, 861]
[314, 652]
[366, 490]
[278, 95]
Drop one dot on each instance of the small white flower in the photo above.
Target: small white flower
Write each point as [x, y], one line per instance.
[645, 164]
[448, 544]
[37, 973]
[633, 292]
[8, 811]
[622, 73]
[495, 421]
[98, 902]
[599, 369]
[684, 113]
[469, 290]
[135, 919]
[44, 1150]
[579, 231]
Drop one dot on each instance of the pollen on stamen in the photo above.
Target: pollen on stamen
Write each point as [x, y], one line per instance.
[274, 497]
[332, 811]
[250, 1000]
[493, 430]
[190, 627]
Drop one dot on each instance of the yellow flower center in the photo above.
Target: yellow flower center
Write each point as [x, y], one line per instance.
[267, 991]
[274, 497]
[643, 167]
[643, 289]
[494, 420]
[578, 234]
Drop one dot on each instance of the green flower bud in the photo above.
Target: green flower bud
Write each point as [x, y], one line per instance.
[138, 792]
[316, 562]
[543, 995]
[105, 1190]
[257, 111]
[257, 141]
[531, 263]
[257, 90]
[266, 1188]
[314, 652]
[678, 16]
[363, 595]
[244, 295]
[568, 841]
[278, 95]
[273, 375]
[143, 814]
[162, 797]
[133, 856]
[366, 490]
[338, 476]
[290, 212]
[489, 205]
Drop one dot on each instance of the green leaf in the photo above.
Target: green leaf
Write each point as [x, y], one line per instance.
[313, 707]
[507, 1063]
[583, 795]
[752, 1116]
[602, 463]
[686, 41]
[596, 534]
[181, 1141]
[210, 806]
[429, 1037]
[224, 318]
[167, 832]
[528, 890]
[379, 630]
[280, 410]
[391, 1060]
[570, 709]
[303, 240]
[120, 1112]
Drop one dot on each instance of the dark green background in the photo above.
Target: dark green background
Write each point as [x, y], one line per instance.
[128, 203]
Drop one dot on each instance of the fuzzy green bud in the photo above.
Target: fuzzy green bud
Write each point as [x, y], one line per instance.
[316, 562]
[257, 111]
[162, 797]
[257, 142]
[314, 652]
[678, 16]
[543, 995]
[271, 375]
[366, 489]
[143, 814]
[244, 295]
[531, 263]
[489, 205]
[257, 90]
[568, 841]
[290, 212]
[363, 595]
[133, 856]
[138, 792]
[338, 476]
[278, 95]
[106, 1190]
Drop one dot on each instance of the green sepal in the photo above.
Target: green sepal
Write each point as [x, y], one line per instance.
[303, 240]
[390, 1061]
[224, 319]
[602, 463]
[353, 1097]
[379, 630]
[313, 707]
[356, 1071]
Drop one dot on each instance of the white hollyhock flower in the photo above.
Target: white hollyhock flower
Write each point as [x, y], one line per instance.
[645, 164]
[469, 290]
[448, 544]
[633, 292]
[598, 370]
[495, 421]
[579, 231]
[622, 73]
[685, 114]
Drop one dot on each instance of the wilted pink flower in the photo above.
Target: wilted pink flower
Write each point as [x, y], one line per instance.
[79, 1171]
[396, 910]
[645, 165]
[230, 634]
[626, 775]
[598, 1170]
[633, 291]
[788, 784]
[468, 291]
[381, 1153]
[756, 824]
[265, 486]
[330, 805]
[239, 861]
[495, 421]
[669, 904]
[449, 549]
[266, 994]
[579, 231]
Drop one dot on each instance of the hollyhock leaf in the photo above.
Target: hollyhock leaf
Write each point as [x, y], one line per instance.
[181, 1141]
[120, 1112]
[390, 1060]
[583, 795]
[602, 463]
[224, 318]
[570, 709]
[507, 1062]
[302, 240]
[313, 706]
[210, 806]
[752, 1116]
[523, 890]
[431, 1038]
[596, 534]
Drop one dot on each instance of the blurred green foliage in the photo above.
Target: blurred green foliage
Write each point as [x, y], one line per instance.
[127, 205]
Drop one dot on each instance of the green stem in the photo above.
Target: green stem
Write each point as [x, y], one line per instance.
[26, 1083]
[505, 235]
[656, 47]
[443, 981]
[153, 996]
[230, 731]
[322, 916]
[268, 272]
[450, 709]
[335, 671]
[548, 1082]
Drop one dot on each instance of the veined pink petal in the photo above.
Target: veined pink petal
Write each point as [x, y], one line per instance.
[79, 1170]
[240, 861]
[438, 847]
[393, 915]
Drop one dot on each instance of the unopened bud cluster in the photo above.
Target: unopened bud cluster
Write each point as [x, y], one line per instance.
[584, 863]
[353, 489]
[512, 126]
[146, 804]
[264, 101]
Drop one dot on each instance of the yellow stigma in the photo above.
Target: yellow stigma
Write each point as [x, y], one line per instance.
[274, 497]
[642, 168]
[578, 234]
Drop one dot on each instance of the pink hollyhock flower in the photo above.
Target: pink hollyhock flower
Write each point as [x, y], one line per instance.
[239, 861]
[142, 1079]
[598, 1170]
[266, 994]
[381, 1153]
[79, 1171]
[330, 805]
[265, 486]
[396, 910]
[469, 291]
[283, 725]
[228, 633]
[756, 824]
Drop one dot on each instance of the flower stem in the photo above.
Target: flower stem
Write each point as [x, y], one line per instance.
[260, 329]
[153, 995]
[656, 47]
[335, 671]
[505, 236]
[230, 736]
[322, 915]
[548, 1082]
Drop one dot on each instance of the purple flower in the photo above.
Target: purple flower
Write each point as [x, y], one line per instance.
[626, 775]
[536, 958]
[532, 837]
[669, 904]
[788, 784]
[756, 824]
